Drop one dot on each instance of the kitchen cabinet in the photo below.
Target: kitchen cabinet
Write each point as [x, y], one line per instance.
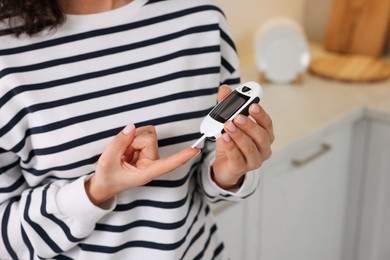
[372, 229]
[303, 201]
[298, 212]
[326, 200]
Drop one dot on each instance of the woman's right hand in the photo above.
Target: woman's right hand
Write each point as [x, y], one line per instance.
[131, 160]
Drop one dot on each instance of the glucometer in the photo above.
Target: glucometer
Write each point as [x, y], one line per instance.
[237, 102]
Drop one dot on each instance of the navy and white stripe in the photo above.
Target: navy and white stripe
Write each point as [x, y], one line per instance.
[65, 93]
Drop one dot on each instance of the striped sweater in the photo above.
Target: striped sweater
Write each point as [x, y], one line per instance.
[65, 93]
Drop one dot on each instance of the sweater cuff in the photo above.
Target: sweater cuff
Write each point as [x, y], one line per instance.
[73, 201]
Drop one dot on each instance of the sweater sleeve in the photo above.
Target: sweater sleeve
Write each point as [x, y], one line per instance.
[44, 220]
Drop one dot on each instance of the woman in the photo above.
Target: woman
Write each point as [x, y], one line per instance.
[74, 182]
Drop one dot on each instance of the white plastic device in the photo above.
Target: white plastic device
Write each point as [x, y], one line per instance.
[237, 102]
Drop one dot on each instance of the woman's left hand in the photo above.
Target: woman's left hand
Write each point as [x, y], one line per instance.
[244, 146]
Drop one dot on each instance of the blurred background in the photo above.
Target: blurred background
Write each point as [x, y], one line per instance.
[325, 69]
[245, 18]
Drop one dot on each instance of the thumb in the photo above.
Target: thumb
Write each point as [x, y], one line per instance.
[223, 91]
[118, 146]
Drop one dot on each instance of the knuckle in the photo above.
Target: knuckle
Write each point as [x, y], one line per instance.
[251, 149]
[272, 137]
[270, 123]
[103, 162]
[151, 129]
[255, 164]
[263, 137]
[143, 180]
[265, 152]
[268, 154]
[151, 140]
[147, 129]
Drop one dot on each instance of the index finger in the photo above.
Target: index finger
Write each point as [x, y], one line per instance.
[168, 164]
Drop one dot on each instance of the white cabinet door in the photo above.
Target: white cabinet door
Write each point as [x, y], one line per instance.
[303, 207]
[373, 236]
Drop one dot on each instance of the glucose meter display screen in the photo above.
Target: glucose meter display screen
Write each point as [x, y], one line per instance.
[228, 106]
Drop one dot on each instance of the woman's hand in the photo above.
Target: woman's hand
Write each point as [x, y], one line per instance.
[244, 146]
[131, 160]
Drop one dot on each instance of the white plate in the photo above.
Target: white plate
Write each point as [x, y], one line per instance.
[281, 50]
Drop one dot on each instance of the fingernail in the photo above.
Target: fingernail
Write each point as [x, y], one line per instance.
[226, 138]
[231, 127]
[128, 129]
[240, 120]
[255, 109]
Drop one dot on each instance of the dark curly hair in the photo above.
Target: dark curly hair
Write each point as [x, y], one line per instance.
[29, 16]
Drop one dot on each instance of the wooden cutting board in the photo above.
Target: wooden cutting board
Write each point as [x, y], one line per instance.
[352, 68]
[358, 26]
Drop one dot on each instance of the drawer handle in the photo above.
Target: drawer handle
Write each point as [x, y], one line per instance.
[300, 162]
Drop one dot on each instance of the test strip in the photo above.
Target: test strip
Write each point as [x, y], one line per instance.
[199, 141]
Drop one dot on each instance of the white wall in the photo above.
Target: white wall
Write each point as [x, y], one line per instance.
[246, 16]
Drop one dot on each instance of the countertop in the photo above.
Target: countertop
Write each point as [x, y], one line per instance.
[307, 110]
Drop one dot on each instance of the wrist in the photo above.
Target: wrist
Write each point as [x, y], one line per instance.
[96, 193]
[231, 183]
